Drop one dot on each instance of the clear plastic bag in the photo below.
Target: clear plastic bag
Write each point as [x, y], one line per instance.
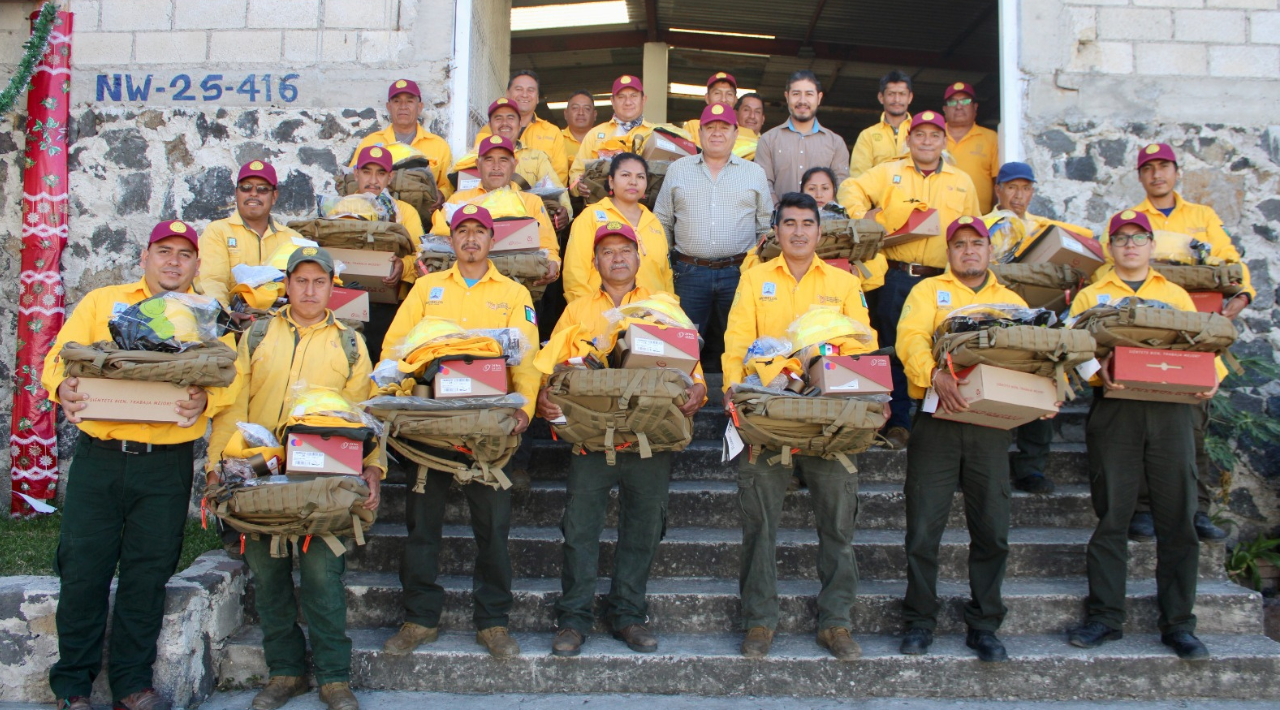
[660, 308]
[318, 403]
[1007, 233]
[832, 210]
[435, 243]
[363, 206]
[981, 316]
[386, 372]
[170, 322]
[257, 436]
[255, 276]
[821, 323]
[767, 347]
[431, 331]
[1173, 248]
[514, 400]
[513, 343]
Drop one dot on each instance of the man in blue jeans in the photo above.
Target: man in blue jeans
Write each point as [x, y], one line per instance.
[714, 206]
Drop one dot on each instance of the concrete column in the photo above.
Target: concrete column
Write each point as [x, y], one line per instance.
[1012, 84]
[655, 81]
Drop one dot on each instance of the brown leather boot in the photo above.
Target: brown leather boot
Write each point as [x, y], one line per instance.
[280, 689]
[498, 641]
[837, 640]
[567, 642]
[757, 643]
[409, 637]
[638, 638]
[338, 696]
[147, 699]
[75, 702]
[897, 437]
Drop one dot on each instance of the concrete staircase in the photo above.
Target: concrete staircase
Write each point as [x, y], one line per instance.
[694, 601]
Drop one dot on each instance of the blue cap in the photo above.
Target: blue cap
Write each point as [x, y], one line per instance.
[1015, 171]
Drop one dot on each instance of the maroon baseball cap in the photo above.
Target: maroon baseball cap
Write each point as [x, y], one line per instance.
[500, 103]
[174, 228]
[626, 81]
[475, 212]
[375, 154]
[403, 86]
[493, 142]
[722, 76]
[1120, 219]
[1156, 151]
[258, 169]
[719, 112]
[924, 117]
[960, 87]
[974, 223]
[615, 227]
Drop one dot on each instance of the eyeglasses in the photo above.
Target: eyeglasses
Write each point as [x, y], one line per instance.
[260, 189]
[1139, 239]
[958, 102]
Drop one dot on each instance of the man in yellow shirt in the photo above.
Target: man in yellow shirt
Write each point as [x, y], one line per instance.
[536, 133]
[249, 236]
[302, 343]
[750, 111]
[404, 106]
[898, 187]
[579, 116]
[943, 455]
[1131, 441]
[722, 88]
[768, 299]
[642, 482]
[627, 124]
[975, 149]
[474, 295]
[126, 498]
[532, 165]
[885, 140]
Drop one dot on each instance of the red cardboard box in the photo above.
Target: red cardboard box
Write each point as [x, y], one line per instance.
[661, 145]
[920, 225]
[349, 303]
[1000, 398]
[842, 264]
[1162, 375]
[486, 377]
[320, 454]
[643, 346]
[1208, 301]
[131, 400]
[1055, 245]
[365, 270]
[845, 375]
[515, 234]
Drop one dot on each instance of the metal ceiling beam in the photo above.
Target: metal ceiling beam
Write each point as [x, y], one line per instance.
[651, 19]
[970, 29]
[813, 21]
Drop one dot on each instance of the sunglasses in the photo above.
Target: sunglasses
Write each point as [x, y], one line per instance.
[260, 189]
[1138, 240]
[958, 102]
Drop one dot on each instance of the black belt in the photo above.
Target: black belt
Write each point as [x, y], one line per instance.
[711, 263]
[915, 269]
[133, 447]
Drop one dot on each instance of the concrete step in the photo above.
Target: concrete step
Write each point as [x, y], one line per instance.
[714, 552]
[1041, 668]
[715, 504]
[687, 605]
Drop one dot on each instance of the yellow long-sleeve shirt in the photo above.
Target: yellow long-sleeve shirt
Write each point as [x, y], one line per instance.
[545, 136]
[532, 166]
[926, 307]
[494, 302]
[897, 187]
[877, 144]
[580, 275]
[227, 243]
[590, 147]
[978, 155]
[435, 148]
[88, 324]
[769, 298]
[532, 205]
[571, 146]
[290, 353]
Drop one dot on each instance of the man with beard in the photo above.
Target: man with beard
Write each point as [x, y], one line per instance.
[885, 140]
[787, 151]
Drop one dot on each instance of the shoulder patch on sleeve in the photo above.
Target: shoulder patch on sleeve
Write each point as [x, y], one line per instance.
[530, 315]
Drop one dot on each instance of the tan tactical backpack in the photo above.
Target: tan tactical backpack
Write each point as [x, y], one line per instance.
[1139, 326]
[826, 427]
[1047, 352]
[211, 364]
[613, 410]
[1058, 277]
[595, 175]
[857, 240]
[524, 267]
[416, 186]
[357, 234]
[484, 435]
[323, 506]
[1223, 278]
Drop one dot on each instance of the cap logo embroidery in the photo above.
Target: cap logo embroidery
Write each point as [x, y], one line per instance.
[256, 165]
[966, 220]
[375, 152]
[178, 227]
[958, 85]
[717, 109]
[613, 225]
[495, 140]
[625, 80]
[401, 84]
[928, 115]
[309, 251]
[1128, 214]
[469, 209]
[721, 75]
[1152, 148]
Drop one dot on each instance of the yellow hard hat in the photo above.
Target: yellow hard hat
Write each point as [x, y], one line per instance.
[170, 318]
[821, 324]
[279, 258]
[354, 207]
[320, 400]
[425, 331]
[659, 306]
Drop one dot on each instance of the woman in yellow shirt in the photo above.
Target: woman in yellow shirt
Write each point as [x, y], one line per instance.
[628, 179]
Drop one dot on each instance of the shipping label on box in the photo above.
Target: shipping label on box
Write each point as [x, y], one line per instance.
[515, 234]
[468, 178]
[349, 303]
[486, 377]
[664, 146]
[1208, 301]
[131, 400]
[999, 398]
[920, 225]
[1056, 245]
[837, 375]
[1162, 375]
[365, 270]
[323, 454]
[643, 345]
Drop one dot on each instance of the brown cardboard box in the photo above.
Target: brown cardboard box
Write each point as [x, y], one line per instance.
[1055, 245]
[920, 225]
[642, 346]
[515, 234]
[314, 453]
[349, 303]
[468, 178]
[485, 377]
[365, 271]
[131, 400]
[1162, 375]
[660, 145]
[846, 375]
[1040, 297]
[1002, 399]
[1208, 301]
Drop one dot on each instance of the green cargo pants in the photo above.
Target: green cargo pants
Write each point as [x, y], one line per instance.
[1130, 441]
[642, 520]
[125, 509]
[761, 491]
[1208, 478]
[942, 455]
[324, 606]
